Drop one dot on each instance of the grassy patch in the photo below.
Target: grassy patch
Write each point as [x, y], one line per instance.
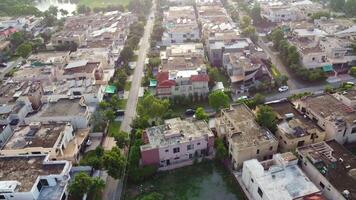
[103, 3]
[86, 157]
[114, 127]
[275, 72]
[206, 180]
[122, 104]
[127, 86]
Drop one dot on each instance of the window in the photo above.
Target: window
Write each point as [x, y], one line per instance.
[258, 151]
[198, 143]
[190, 146]
[2, 197]
[176, 158]
[300, 143]
[176, 150]
[252, 180]
[271, 148]
[167, 150]
[322, 185]
[260, 191]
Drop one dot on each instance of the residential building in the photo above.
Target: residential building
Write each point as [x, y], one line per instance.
[347, 97]
[279, 12]
[220, 43]
[333, 25]
[182, 71]
[293, 129]
[33, 177]
[15, 113]
[83, 69]
[59, 140]
[337, 119]
[52, 58]
[331, 167]
[75, 111]
[7, 32]
[180, 25]
[189, 83]
[176, 143]
[245, 137]
[246, 69]
[5, 134]
[278, 178]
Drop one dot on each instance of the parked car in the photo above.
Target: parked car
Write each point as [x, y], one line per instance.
[350, 83]
[242, 98]
[189, 112]
[283, 88]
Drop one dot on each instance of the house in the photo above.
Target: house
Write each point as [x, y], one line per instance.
[331, 168]
[279, 178]
[246, 69]
[15, 113]
[33, 177]
[176, 143]
[245, 137]
[347, 97]
[7, 32]
[180, 25]
[279, 12]
[75, 111]
[330, 114]
[189, 83]
[83, 69]
[59, 140]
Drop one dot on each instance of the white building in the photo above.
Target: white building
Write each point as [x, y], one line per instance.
[279, 178]
[33, 178]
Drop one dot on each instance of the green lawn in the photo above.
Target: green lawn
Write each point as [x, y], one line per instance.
[103, 3]
[208, 180]
[122, 104]
[114, 127]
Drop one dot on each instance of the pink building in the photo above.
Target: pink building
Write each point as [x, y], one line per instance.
[176, 142]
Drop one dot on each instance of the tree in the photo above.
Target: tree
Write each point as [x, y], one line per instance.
[110, 115]
[221, 150]
[256, 13]
[154, 62]
[24, 49]
[17, 38]
[200, 114]
[122, 139]
[245, 22]
[53, 10]
[281, 80]
[350, 7]
[114, 162]
[218, 100]
[353, 71]
[277, 35]
[83, 9]
[63, 12]
[337, 5]
[214, 74]
[80, 185]
[126, 54]
[152, 107]
[96, 187]
[267, 118]
[328, 89]
[152, 196]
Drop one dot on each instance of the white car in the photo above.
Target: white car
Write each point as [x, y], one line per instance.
[350, 83]
[283, 88]
[242, 98]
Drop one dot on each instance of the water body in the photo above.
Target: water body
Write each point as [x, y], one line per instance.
[205, 181]
[68, 5]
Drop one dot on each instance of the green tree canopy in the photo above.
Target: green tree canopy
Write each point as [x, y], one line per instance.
[201, 114]
[267, 118]
[24, 49]
[114, 162]
[152, 107]
[221, 150]
[218, 100]
[80, 185]
[122, 139]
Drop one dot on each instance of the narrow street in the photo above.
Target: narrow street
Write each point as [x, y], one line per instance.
[114, 187]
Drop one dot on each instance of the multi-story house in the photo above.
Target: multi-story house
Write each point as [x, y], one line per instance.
[180, 26]
[331, 168]
[336, 118]
[245, 137]
[176, 143]
[278, 178]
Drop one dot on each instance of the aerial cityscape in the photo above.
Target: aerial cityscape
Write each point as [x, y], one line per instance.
[178, 99]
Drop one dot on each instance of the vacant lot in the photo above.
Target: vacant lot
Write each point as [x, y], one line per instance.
[205, 181]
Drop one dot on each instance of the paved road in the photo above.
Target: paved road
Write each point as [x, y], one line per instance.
[114, 187]
[9, 68]
[130, 111]
[293, 82]
[313, 89]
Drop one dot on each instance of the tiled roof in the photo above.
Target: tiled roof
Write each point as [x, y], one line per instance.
[200, 77]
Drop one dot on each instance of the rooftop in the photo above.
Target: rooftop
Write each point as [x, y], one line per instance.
[63, 107]
[10, 90]
[35, 135]
[281, 178]
[245, 131]
[49, 57]
[327, 106]
[176, 131]
[25, 170]
[334, 162]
